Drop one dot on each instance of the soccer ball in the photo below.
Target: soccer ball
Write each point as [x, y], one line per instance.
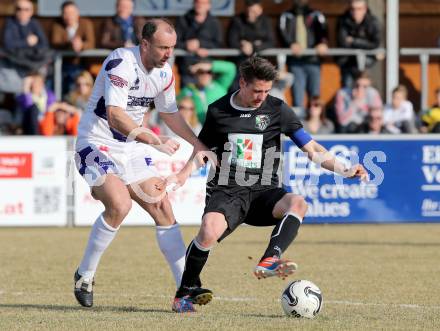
[301, 298]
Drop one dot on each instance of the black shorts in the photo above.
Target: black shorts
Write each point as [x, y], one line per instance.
[244, 204]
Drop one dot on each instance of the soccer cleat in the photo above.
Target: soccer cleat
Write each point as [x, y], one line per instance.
[273, 266]
[200, 296]
[83, 290]
[183, 305]
[197, 295]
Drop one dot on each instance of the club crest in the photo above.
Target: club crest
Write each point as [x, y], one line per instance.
[262, 122]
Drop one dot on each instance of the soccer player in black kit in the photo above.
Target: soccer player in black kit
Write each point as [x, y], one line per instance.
[243, 129]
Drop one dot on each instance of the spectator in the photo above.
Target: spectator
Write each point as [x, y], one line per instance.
[281, 83]
[187, 110]
[352, 105]
[374, 122]
[24, 41]
[79, 97]
[316, 121]
[399, 116]
[72, 32]
[212, 82]
[431, 118]
[303, 28]
[32, 104]
[123, 29]
[197, 31]
[251, 31]
[357, 28]
[60, 119]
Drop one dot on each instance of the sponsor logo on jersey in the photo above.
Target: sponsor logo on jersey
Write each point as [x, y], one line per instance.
[246, 150]
[245, 115]
[163, 74]
[262, 122]
[139, 101]
[112, 64]
[117, 81]
[135, 87]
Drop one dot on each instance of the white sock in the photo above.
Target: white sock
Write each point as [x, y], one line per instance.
[171, 244]
[101, 236]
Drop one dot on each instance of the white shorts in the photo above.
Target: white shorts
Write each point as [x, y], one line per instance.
[131, 162]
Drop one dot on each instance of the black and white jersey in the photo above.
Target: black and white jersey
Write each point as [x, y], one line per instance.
[246, 140]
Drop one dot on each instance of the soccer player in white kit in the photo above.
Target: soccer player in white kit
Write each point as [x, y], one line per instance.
[112, 155]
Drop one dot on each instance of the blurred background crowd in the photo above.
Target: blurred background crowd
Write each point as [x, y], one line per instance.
[348, 100]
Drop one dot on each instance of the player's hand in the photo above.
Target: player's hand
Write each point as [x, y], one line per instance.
[176, 181]
[203, 157]
[357, 170]
[169, 146]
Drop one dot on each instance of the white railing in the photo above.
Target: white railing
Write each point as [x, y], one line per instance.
[279, 53]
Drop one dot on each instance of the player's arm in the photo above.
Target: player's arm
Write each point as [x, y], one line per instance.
[292, 127]
[120, 121]
[165, 103]
[320, 155]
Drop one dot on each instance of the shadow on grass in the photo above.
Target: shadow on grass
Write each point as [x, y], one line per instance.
[346, 243]
[77, 308]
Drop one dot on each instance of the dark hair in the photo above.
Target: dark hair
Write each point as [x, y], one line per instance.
[256, 67]
[362, 75]
[151, 25]
[68, 3]
[249, 3]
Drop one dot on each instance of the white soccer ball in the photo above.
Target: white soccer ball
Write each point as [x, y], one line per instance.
[301, 298]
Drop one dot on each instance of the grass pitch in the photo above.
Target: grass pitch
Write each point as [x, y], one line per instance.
[373, 277]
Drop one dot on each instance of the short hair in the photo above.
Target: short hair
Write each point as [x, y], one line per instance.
[68, 3]
[402, 89]
[362, 75]
[151, 25]
[256, 67]
[249, 3]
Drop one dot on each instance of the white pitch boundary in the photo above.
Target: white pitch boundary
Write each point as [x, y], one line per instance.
[240, 299]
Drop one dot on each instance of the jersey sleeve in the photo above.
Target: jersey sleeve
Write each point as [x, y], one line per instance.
[207, 134]
[165, 101]
[290, 123]
[117, 71]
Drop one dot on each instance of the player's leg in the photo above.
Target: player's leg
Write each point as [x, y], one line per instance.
[213, 226]
[289, 211]
[168, 235]
[117, 202]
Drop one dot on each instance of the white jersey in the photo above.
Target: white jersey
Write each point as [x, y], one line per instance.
[124, 82]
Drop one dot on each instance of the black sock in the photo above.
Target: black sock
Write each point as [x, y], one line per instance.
[195, 261]
[282, 236]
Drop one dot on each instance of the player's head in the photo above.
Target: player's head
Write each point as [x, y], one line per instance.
[256, 78]
[158, 42]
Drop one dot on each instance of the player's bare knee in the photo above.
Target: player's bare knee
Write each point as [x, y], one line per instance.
[297, 205]
[118, 211]
[208, 234]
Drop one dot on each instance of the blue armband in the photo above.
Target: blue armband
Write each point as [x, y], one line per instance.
[300, 137]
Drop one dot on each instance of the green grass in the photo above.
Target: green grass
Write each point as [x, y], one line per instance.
[373, 277]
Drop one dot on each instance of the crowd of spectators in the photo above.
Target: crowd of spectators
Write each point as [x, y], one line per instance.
[25, 67]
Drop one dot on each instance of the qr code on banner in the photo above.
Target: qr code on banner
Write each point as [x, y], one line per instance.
[46, 199]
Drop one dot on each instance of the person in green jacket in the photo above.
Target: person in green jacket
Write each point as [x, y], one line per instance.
[213, 80]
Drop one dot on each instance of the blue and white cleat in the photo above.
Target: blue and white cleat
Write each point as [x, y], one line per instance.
[273, 266]
[183, 305]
